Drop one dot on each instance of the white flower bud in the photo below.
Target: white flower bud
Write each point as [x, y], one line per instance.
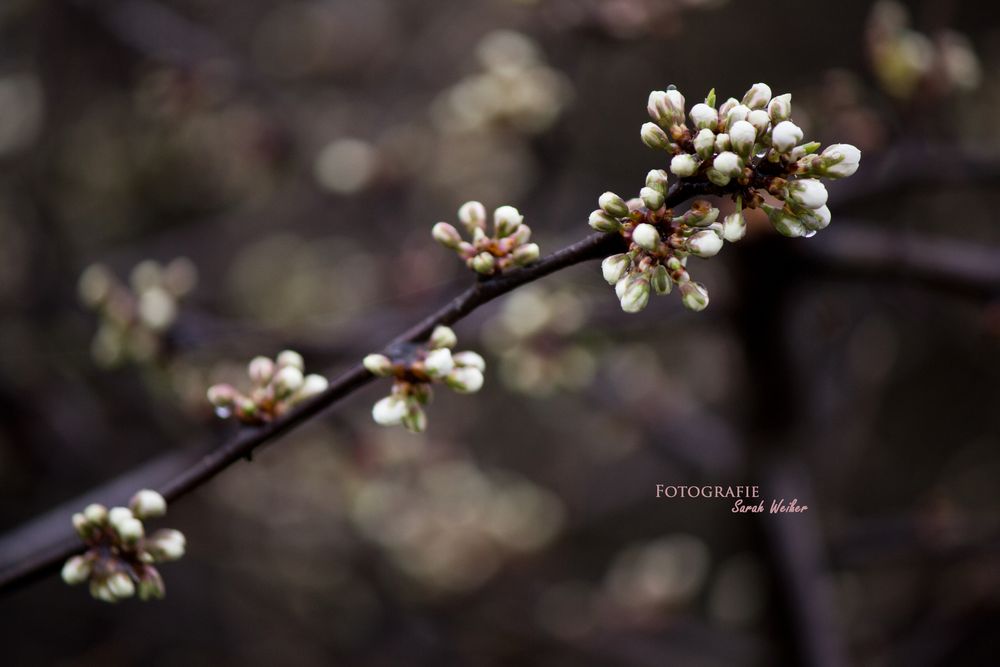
[446, 235]
[100, 590]
[151, 584]
[76, 570]
[465, 380]
[378, 364]
[786, 224]
[166, 544]
[734, 227]
[815, 219]
[654, 136]
[666, 107]
[840, 160]
[658, 180]
[705, 243]
[614, 267]
[120, 585]
[726, 106]
[722, 142]
[636, 294]
[526, 254]
[704, 144]
[469, 359]
[522, 235]
[260, 370]
[760, 120]
[117, 515]
[704, 116]
[742, 135]
[603, 222]
[738, 112]
[613, 205]
[288, 380]
[701, 214]
[222, 395]
[506, 220]
[96, 513]
[803, 150]
[807, 192]
[157, 308]
[758, 96]
[646, 236]
[81, 525]
[95, 285]
[147, 504]
[684, 165]
[438, 363]
[415, 420]
[660, 280]
[694, 296]
[621, 285]
[313, 385]
[472, 215]
[717, 177]
[780, 108]
[291, 358]
[728, 163]
[484, 263]
[652, 198]
[130, 530]
[389, 411]
[785, 136]
[442, 336]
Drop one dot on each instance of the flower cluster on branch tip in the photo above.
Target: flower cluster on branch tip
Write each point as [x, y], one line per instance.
[277, 386]
[415, 367]
[487, 254]
[749, 149]
[120, 558]
[135, 316]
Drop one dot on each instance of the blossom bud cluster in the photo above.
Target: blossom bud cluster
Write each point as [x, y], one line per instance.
[135, 317]
[505, 247]
[659, 244]
[750, 145]
[744, 147]
[414, 369]
[120, 558]
[276, 386]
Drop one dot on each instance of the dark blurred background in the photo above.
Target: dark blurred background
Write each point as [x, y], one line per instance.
[294, 156]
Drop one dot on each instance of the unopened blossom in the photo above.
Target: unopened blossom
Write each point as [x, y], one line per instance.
[415, 368]
[276, 386]
[120, 557]
[505, 247]
[747, 148]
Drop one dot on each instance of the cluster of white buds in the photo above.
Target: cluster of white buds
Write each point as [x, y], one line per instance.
[659, 245]
[745, 148]
[487, 254]
[278, 385]
[415, 367]
[120, 558]
[134, 317]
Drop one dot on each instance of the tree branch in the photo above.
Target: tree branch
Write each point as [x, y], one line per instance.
[48, 559]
